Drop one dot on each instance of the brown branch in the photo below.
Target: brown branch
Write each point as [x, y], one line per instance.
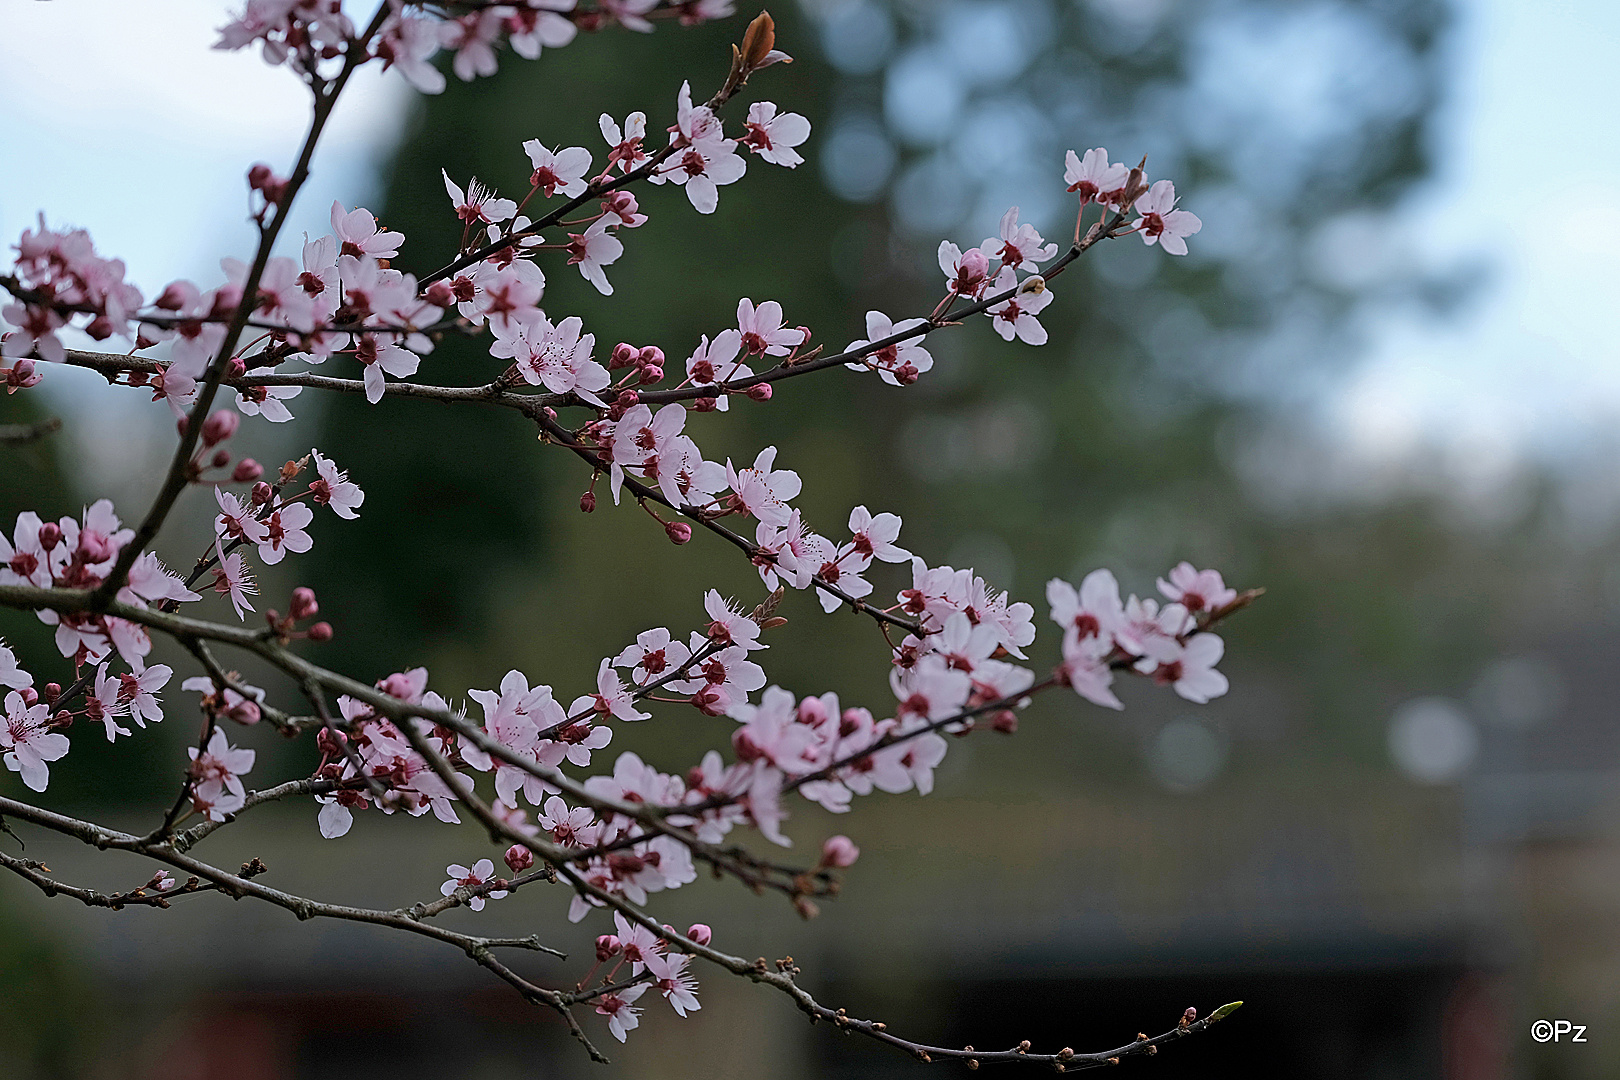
[22, 434]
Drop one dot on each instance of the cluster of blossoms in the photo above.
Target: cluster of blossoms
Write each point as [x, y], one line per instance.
[618, 836]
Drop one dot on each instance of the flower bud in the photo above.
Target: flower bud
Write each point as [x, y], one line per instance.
[246, 469]
[221, 458]
[906, 373]
[624, 354]
[760, 391]
[706, 404]
[700, 933]
[52, 692]
[1005, 721]
[651, 373]
[627, 399]
[173, 297]
[329, 742]
[440, 294]
[519, 858]
[587, 501]
[235, 367]
[100, 328]
[50, 534]
[321, 631]
[30, 696]
[839, 851]
[260, 493]
[303, 603]
[244, 712]
[181, 425]
[678, 531]
[607, 947]
[650, 354]
[220, 426]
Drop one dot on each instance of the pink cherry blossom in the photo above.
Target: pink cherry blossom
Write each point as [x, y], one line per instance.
[593, 249]
[966, 272]
[1018, 246]
[478, 205]
[728, 625]
[874, 536]
[1190, 668]
[408, 42]
[10, 674]
[1092, 177]
[562, 171]
[216, 777]
[1086, 668]
[25, 562]
[716, 362]
[139, 692]
[1197, 590]
[481, 874]
[1094, 612]
[267, 401]
[358, 234]
[473, 36]
[703, 168]
[653, 656]
[528, 28]
[231, 578]
[773, 135]
[556, 357]
[618, 1006]
[28, 741]
[333, 488]
[236, 520]
[625, 144]
[1161, 223]
[762, 490]
[284, 532]
[671, 979]
[762, 331]
[101, 704]
[899, 364]
[612, 697]
[1016, 314]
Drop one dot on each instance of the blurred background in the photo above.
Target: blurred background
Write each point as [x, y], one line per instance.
[1382, 385]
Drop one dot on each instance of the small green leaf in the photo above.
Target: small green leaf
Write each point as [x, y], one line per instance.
[1224, 1011]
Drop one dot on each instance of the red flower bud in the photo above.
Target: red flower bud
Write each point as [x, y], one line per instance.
[50, 534]
[678, 531]
[236, 367]
[624, 354]
[246, 712]
[839, 851]
[222, 458]
[247, 469]
[650, 354]
[519, 858]
[587, 501]
[700, 933]
[706, 404]
[303, 603]
[1005, 721]
[52, 692]
[321, 631]
[220, 426]
[261, 493]
[651, 373]
[607, 947]
[760, 391]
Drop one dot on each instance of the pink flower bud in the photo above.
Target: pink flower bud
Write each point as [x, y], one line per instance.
[321, 631]
[651, 373]
[440, 294]
[236, 367]
[706, 404]
[30, 696]
[760, 391]
[173, 297]
[700, 933]
[182, 425]
[329, 742]
[519, 858]
[906, 373]
[678, 531]
[100, 328]
[587, 501]
[839, 851]
[1005, 721]
[624, 354]
[607, 947]
[50, 534]
[94, 547]
[222, 458]
[805, 330]
[627, 399]
[260, 493]
[52, 692]
[247, 469]
[650, 354]
[245, 712]
[220, 426]
[303, 603]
